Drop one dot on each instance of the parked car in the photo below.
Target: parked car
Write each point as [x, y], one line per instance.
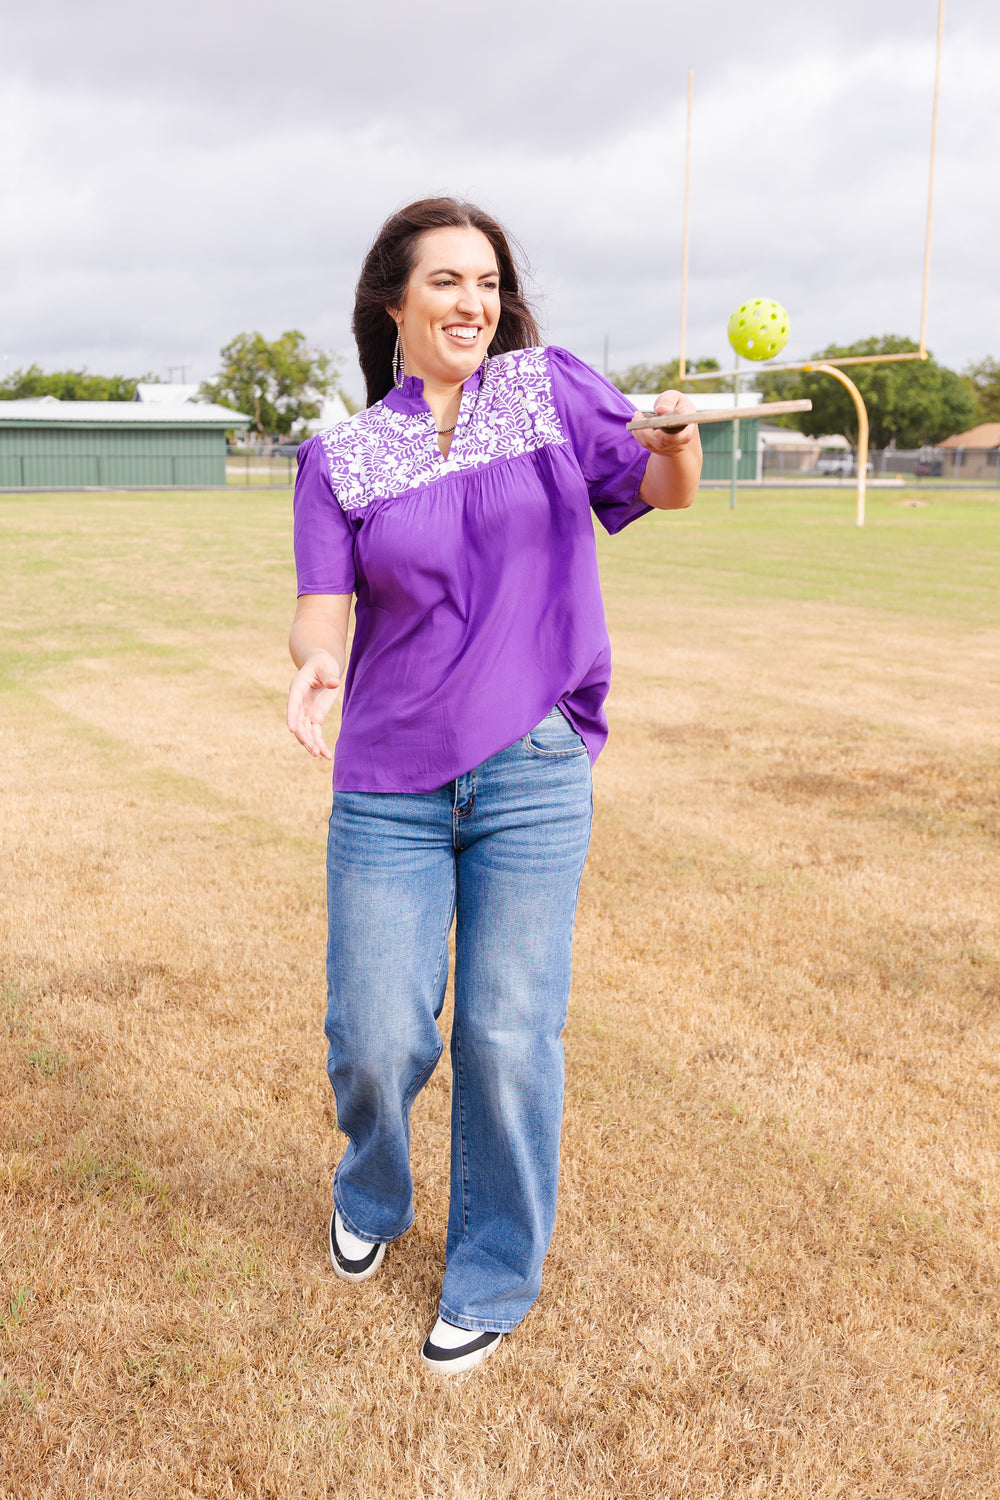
[839, 461]
[285, 450]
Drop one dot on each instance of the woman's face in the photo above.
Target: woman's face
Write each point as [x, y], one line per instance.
[452, 304]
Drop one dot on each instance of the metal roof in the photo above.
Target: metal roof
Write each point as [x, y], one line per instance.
[47, 412]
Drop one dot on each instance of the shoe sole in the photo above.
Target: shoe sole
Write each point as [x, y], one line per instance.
[459, 1364]
[341, 1264]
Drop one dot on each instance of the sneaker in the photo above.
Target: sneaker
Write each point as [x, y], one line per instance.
[452, 1351]
[353, 1259]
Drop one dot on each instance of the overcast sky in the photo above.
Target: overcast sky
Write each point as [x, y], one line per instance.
[171, 175]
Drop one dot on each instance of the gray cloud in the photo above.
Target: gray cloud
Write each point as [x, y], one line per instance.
[170, 178]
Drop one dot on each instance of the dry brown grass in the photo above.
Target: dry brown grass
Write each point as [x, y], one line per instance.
[775, 1270]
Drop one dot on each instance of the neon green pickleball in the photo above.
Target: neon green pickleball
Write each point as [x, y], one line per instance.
[759, 329]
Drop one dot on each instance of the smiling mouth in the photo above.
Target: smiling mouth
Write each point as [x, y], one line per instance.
[462, 335]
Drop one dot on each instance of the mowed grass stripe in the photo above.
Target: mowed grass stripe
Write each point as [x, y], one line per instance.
[929, 559]
[775, 1267]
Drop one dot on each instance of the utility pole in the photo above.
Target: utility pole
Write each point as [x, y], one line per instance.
[682, 362]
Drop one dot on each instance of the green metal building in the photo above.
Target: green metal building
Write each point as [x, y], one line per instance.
[50, 444]
[717, 446]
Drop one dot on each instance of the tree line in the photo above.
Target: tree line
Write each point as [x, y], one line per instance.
[909, 405]
[280, 383]
[70, 385]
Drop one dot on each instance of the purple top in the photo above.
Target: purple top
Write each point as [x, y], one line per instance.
[478, 599]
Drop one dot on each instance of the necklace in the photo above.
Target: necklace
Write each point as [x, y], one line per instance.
[444, 431]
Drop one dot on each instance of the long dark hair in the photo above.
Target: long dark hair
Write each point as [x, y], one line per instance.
[386, 274]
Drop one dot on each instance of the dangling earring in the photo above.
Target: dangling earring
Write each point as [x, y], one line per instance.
[398, 371]
[484, 367]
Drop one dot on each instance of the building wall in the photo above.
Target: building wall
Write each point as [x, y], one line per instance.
[717, 445]
[971, 463]
[38, 456]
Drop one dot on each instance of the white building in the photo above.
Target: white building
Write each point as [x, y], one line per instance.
[154, 393]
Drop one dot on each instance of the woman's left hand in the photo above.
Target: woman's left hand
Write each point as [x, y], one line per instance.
[674, 469]
[658, 439]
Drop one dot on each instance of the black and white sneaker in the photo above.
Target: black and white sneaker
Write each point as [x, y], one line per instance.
[452, 1351]
[353, 1259]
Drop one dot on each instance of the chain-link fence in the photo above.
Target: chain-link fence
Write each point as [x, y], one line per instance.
[265, 468]
[275, 468]
[977, 466]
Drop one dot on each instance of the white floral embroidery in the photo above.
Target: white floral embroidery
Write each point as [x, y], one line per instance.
[382, 452]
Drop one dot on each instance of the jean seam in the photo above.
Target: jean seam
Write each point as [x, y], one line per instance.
[415, 1087]
[459, 814]
[456, 1084]
[425, 1073]
[444, 941]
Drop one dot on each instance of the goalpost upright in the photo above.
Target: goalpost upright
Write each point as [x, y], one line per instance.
[831, 367]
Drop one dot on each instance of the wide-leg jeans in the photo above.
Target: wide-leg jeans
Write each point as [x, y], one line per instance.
[501, 851]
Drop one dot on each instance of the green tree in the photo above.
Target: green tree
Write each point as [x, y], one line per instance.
[984, 378]
[664, 377]
[69, 385]
[281, 383]
[908, 404]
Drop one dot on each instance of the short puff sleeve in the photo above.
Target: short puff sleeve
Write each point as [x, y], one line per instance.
[321, 533]
[594, 414]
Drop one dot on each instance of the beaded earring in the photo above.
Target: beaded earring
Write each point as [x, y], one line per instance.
[398, 371]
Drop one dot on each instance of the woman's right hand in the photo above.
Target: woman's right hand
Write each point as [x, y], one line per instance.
[318, 645]
[310, 698]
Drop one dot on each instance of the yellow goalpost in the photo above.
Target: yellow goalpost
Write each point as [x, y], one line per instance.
[832, 367]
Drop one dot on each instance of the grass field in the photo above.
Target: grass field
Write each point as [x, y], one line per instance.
[776, 1267]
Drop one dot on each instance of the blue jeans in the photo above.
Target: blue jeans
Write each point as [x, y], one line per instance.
[501, 850]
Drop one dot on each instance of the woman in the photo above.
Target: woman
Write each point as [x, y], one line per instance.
[457, 510]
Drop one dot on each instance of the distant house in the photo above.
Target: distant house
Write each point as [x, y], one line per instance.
[785, 450]
[974, 454]
[52, 444]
